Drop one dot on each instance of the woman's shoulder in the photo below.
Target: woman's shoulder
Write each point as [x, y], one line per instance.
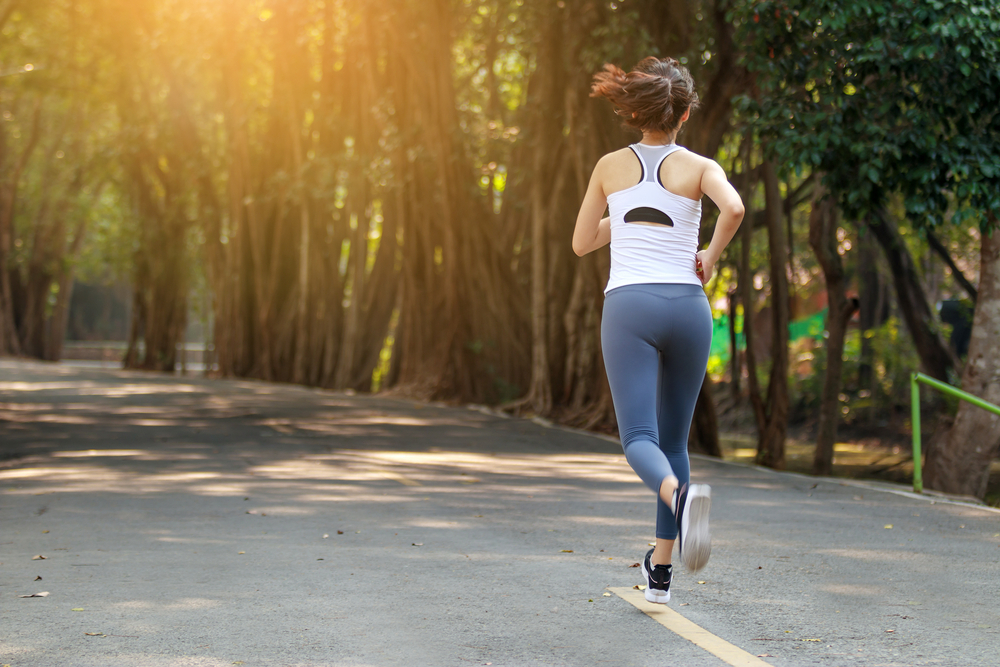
[690, 157]
[617, 157]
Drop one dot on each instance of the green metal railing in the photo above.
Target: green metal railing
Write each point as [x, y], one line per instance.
[918, 479]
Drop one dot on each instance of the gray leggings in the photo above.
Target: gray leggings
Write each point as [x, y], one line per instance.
[656, 339]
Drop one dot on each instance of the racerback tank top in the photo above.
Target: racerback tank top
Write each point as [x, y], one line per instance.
[660, 253]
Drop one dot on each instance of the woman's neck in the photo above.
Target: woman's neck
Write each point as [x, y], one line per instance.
[658, 138]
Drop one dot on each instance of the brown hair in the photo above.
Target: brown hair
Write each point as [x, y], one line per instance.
[653, 96]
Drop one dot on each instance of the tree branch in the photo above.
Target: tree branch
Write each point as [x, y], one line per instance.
[939, 248]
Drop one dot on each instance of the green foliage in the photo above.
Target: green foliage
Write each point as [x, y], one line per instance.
[883, 96]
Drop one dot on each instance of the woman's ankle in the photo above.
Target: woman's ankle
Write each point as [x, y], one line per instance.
[662, 552]
[667, 488]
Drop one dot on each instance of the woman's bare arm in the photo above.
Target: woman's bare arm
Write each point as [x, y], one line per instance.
[592, 231]
[718, 188]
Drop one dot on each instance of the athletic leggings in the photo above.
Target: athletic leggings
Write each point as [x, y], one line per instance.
[655, 339]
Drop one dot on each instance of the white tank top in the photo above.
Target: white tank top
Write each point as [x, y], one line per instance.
[661, 253]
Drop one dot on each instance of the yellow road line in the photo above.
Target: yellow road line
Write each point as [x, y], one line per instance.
[670, 619]
[406, 481]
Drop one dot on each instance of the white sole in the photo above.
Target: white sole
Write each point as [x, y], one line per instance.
[653, 595]
[697, 537]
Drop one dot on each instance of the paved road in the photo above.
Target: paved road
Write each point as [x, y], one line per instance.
[194, 522]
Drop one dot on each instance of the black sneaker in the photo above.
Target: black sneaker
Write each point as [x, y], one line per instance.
[691, 505]
[657, 580]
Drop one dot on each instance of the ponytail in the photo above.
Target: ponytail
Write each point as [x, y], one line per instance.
[653, 96]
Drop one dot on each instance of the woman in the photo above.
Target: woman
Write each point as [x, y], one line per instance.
[657, 325]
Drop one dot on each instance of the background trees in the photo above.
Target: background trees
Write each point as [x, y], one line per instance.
[378, 196]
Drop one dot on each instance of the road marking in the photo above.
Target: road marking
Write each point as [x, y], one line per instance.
[670, 619]
[406, 481]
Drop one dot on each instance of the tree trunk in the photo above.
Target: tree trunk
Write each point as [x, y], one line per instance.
[735, 362]
[962, 464]
[823, 240]
[771, 443]
[705, 425]
[936, 358]
[9, 185]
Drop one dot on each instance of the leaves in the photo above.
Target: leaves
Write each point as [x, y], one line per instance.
[39, 557]
[866, 98]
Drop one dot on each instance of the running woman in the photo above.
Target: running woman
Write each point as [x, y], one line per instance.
[657, 324]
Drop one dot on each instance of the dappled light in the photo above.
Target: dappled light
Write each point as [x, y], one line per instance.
[279, 513]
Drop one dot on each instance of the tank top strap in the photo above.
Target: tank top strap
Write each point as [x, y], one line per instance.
[651, 158]
[671, 149]
[642, 162]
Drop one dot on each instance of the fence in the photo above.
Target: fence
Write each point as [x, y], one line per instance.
[915, 378]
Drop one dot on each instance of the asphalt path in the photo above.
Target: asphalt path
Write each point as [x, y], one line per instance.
[186, 521]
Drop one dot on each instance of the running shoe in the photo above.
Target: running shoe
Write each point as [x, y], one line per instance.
[692, 503]
[657, 580]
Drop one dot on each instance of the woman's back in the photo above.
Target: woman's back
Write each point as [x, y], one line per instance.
[680, 174]
[654, 228]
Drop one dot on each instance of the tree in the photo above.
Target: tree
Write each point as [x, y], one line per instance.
[902, 93]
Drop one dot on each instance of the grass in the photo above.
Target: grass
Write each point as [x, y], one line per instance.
[851, 460]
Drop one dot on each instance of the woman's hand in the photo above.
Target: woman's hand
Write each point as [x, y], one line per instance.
[704, 266]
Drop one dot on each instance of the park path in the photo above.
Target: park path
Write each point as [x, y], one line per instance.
[200, 522]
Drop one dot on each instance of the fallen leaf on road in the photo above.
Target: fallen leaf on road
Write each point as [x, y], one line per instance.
[39, 557]
[78, 609]
[45, 531]
[240, 553]
[416, 544]
[38, 578]
[566, 551]
[634, 565]
[340, 532]
[888, 526]
[43, 594]
[95, 634]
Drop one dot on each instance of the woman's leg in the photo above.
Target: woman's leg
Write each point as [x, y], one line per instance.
[632, 364]
[683, 361]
